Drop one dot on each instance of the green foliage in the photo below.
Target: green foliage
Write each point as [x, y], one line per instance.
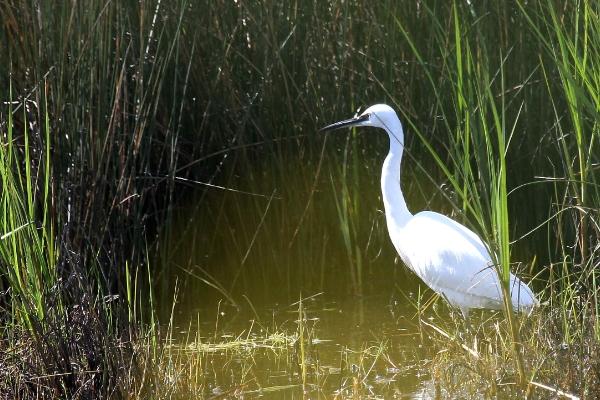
[121, 106]
[28, 253]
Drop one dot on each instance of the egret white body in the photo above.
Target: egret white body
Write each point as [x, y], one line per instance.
[446, 255]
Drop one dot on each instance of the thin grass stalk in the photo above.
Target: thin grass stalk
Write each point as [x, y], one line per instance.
[347, 203]
[502, 231]
[302, 340]
[568, 48]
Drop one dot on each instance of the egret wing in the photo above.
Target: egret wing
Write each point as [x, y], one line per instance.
[453, 260]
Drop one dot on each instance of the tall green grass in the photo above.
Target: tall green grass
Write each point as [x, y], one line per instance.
[477, 166]
[121, 112]
[51, 346]
[27, 247]
[480, 102]
[488, 117]
[78, 189]
[573, 43]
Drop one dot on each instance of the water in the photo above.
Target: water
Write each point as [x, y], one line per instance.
[242, 263]
[365, 346]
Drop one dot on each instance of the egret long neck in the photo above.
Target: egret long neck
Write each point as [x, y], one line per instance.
[393, 199]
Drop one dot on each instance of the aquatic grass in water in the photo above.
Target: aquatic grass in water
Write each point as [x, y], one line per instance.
[288, 354]
[145, 100]
[474, 94]
[482, 136]
[492, 93]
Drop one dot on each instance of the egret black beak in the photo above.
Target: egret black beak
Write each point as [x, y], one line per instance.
[345, 123]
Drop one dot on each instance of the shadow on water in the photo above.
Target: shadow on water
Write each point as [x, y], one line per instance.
[312, 231]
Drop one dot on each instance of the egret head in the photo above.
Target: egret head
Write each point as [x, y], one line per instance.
[377, 116]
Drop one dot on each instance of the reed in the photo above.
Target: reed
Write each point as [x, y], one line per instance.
[115, 115]
[487, 118]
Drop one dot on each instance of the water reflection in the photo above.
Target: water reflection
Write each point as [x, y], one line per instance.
[369, 346]
[242, 263]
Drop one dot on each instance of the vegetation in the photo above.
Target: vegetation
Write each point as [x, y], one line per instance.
[115, 115]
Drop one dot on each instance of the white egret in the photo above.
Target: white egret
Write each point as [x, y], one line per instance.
[446, 255]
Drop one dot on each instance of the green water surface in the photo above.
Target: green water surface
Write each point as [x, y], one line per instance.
[240, 260]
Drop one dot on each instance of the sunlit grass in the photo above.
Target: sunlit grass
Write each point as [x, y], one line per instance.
[114, 115]
[27, 242]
